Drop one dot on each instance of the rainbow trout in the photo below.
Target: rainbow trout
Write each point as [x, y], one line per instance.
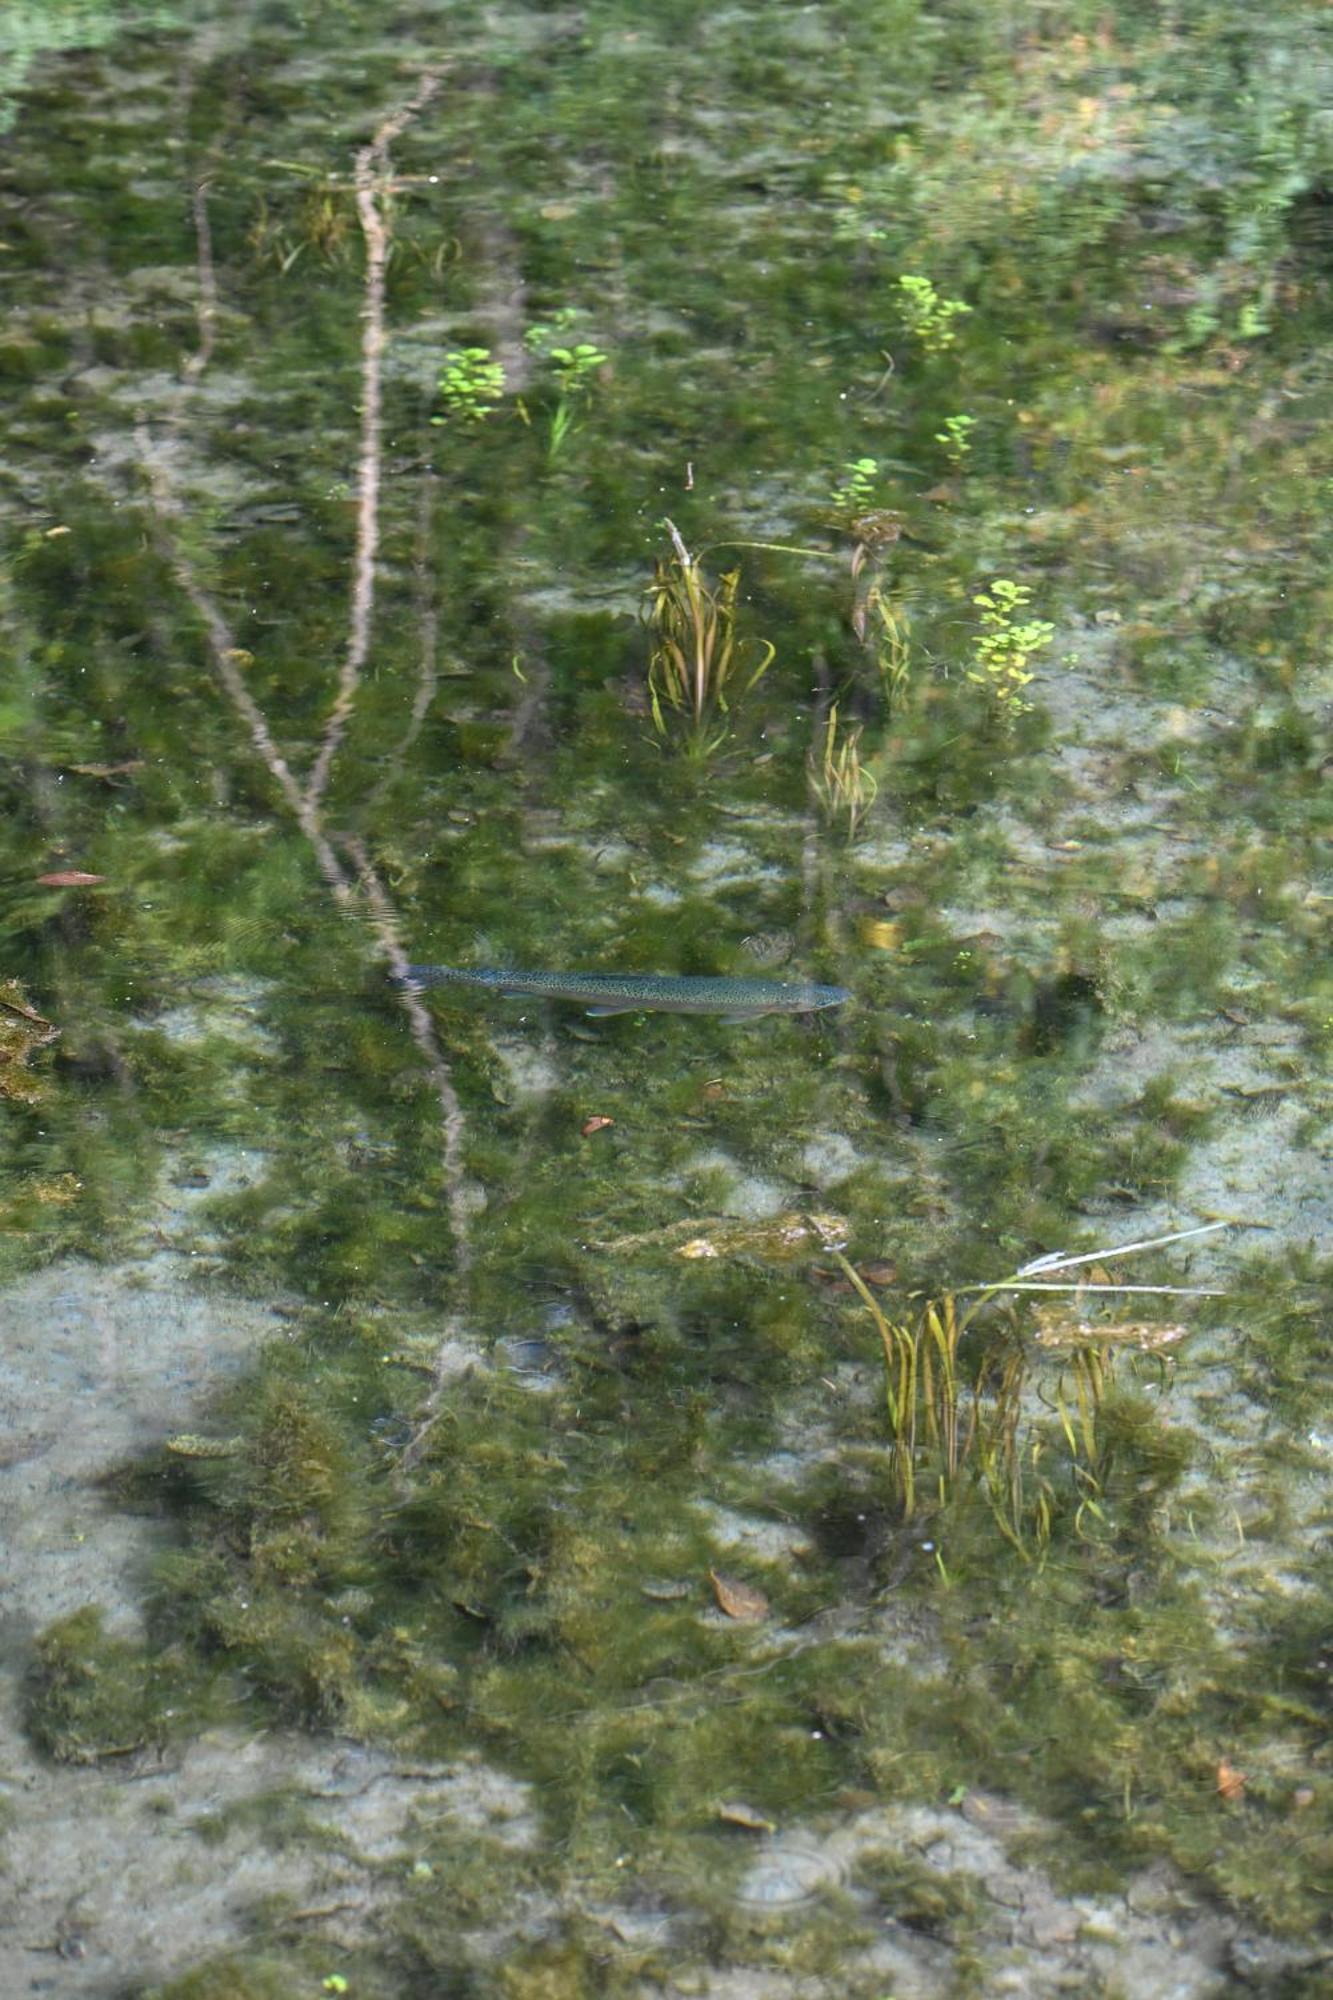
[602, 993]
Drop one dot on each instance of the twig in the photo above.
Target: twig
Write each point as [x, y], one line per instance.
[1016, 1285]
[1060, 1260]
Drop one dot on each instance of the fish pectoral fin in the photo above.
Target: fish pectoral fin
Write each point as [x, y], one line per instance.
[739, 1020]
[601, 1013]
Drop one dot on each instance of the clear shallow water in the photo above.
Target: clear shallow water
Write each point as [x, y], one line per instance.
[521, 1320]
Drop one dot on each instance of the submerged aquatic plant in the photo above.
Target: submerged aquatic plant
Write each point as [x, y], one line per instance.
[1006, 643]
[322, 221]
[927, 316]
[855, 492]
[843, 785]
[954, 1427]
[470, 384]
[22, 1032]
[695, 652]
[575, 363]
[956, 437]
[880, 623]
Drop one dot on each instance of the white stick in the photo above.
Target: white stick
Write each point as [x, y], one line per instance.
[1015, 1285]
[1058, 1260]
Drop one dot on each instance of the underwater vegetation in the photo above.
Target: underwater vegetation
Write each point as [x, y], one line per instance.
[22, 1032]
[695, 652]
[987, 1420]
[633, 1424]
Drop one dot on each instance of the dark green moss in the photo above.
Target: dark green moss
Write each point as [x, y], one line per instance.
[90, 1695]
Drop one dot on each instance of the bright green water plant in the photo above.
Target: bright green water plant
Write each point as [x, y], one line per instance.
[575, 363]
[855, 491]
[1005, 645]
[695, 652]
[929, 317]
[956, 437]
[471, 385]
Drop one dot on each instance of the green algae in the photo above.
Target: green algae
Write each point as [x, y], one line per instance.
[477, 1565]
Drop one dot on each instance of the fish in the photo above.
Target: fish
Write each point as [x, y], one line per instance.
[603, 993]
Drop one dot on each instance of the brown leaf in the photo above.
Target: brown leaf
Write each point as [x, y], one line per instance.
[736, 1813]
[880, 933]
[595, 1124]
[740, 1601]
[878, 1272]
[1230, 1782]
[69, 878]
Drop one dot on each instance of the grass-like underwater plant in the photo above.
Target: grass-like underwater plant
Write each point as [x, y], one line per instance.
[957, 1424]
[881, 624]
[695, 652]
[842, 784]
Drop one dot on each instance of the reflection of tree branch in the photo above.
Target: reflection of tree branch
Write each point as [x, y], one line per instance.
[373, 171]
[385, 921]
[428, 626]
[228, 659]
[206, 305]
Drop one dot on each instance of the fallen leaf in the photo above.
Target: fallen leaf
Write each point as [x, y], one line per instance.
[737, 1813]
[594, 1124]
[740, 1601]
[69, 878]
[878, 1272]
[879, 933]
[1230, 1782]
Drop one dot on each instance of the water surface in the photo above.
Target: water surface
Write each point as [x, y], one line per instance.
[450, 1424]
